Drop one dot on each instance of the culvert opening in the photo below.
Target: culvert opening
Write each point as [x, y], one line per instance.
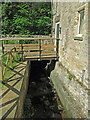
[40, 101]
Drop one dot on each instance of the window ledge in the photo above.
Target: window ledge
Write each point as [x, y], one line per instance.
[78, 38]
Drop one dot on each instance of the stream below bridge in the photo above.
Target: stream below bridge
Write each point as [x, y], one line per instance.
[41, 100]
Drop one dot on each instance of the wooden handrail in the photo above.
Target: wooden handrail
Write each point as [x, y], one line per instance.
[29, 39]
[42, 44]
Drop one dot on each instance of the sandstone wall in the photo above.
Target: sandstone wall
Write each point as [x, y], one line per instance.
[73, 56]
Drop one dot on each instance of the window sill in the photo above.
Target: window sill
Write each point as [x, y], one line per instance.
[78, 38]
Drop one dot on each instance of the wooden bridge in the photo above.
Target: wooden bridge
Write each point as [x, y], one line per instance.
[33, 48]
[16, 53]
[27, 49]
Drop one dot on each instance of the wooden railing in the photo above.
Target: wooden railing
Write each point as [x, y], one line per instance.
[10, 57]
[33, 48]
[28, 48]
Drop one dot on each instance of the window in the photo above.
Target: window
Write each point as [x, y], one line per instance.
[80, 24]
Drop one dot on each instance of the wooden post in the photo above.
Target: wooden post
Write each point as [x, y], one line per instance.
[2, 46]
[15, 52]
[22, 49]
[11, 62]
[40, 49]
[1, 71]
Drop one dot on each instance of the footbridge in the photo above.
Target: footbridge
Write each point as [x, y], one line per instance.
[32, 48]
[26, 49]
[14, 62]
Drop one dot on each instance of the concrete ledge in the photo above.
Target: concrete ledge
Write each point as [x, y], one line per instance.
[73, 95]
[23, 91]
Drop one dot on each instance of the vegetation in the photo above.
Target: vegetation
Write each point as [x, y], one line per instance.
[26, 18]
[69, 76]
[1, 87]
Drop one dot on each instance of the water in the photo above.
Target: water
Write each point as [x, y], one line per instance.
[40, 101]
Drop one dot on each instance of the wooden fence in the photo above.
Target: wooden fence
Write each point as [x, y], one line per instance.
[10, 55]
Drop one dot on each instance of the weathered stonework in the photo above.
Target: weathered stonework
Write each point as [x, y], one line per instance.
[23, 92]
[73, 55]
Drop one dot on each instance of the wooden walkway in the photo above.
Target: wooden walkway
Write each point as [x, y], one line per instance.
[9, 95]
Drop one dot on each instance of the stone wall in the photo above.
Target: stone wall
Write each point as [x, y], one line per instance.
[23, 92]
[72, 94]
[89, 58]
[71, 74]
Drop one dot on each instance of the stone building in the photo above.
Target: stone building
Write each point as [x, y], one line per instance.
[70, 76]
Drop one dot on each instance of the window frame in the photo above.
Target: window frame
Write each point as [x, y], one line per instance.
[79, 35]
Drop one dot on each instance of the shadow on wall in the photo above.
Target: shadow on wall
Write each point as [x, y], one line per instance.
[50, 66]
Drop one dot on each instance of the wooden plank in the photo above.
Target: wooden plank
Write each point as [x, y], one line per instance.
[51, 44]
[48, 55]
[30, 45]
[11, 45]
[30, 49]
[9, 48]
[48, 52]
[31, 53]
[50, 48]
[32, 57]
[42, 58]
[29, 38]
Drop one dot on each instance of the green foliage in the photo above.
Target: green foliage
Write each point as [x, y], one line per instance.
[69, 76]
[26, 18]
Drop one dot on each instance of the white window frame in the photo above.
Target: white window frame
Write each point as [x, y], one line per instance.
[56, 28]
[56, 33]
[79, 35]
